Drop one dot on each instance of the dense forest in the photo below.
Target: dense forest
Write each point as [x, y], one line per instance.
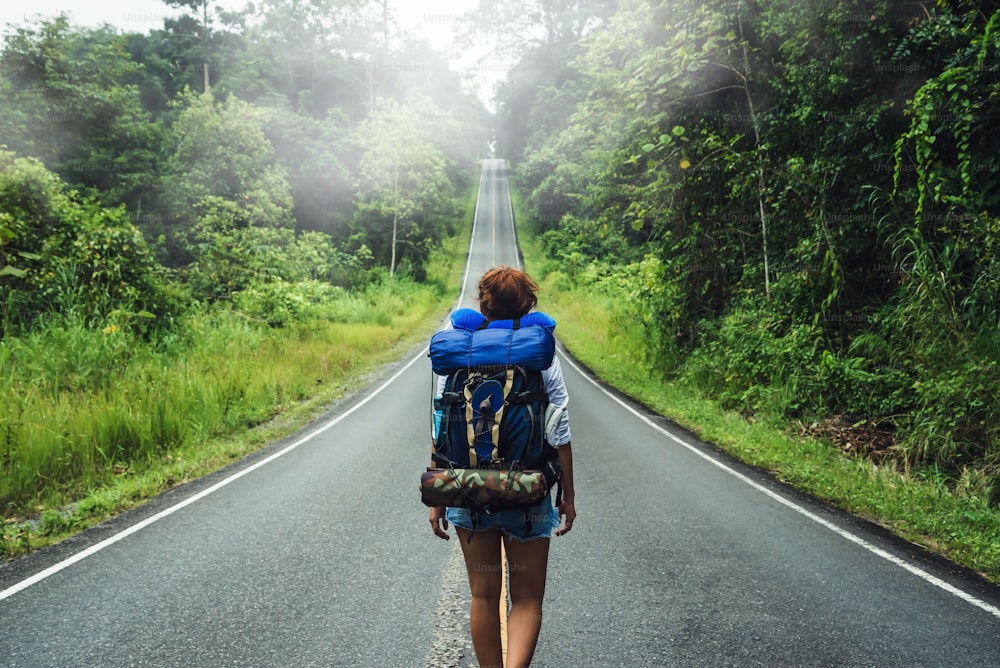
[285, 143]
[797, 203]
[204, 224]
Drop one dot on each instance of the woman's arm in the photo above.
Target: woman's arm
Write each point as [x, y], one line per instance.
[439, 523]
[567, 507]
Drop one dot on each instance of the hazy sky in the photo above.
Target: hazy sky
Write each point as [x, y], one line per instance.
[433, 19]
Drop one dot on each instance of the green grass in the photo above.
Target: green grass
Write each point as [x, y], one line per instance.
[170, 417]
[919, 508]
[94, 422]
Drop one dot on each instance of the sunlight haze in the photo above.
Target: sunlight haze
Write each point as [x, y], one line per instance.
[433, 20]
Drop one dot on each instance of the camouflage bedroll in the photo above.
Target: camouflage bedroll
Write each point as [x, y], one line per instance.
[482, 488]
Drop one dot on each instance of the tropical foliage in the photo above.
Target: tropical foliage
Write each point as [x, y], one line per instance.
[796, 204]
[177, 206]
[235, 157]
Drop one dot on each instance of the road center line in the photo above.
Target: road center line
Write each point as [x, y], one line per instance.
[854, 538]
[493, 221]
[504, 609]
[446, 636]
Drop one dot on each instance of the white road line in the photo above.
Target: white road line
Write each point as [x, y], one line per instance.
[139, 526]
[513, 224]
[94, 549]
[472, 239]
[493, 221]
[891, 558]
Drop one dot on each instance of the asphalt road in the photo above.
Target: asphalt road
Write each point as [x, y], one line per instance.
[317, 552]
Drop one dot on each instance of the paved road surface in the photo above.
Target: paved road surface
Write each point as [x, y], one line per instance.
[317, 552]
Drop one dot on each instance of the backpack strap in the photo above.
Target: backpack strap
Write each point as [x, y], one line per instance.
[485, 324]
[484, 409]
[528, 397]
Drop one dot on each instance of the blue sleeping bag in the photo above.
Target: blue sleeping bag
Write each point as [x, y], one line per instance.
[469, 344]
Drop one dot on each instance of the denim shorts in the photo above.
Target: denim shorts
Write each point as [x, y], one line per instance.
[544, 519]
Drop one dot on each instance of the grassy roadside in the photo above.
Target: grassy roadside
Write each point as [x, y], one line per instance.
[920, 508]
[284, 379]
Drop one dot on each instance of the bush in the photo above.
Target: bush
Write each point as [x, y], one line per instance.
[70, 255]
[280, 303]
[753, 360]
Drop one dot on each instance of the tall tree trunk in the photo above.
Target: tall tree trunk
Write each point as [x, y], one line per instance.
[395, 216]
[385, 25]
[204, 44]
[761, 180]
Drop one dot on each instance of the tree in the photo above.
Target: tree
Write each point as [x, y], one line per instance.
[517, 27]
[199, 23]
[403, 177]
[222, 182]
[70, 102]
[68, 255]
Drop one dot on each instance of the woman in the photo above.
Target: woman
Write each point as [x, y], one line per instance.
[505, 294]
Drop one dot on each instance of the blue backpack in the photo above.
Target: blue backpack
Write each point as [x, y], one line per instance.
[491, 413]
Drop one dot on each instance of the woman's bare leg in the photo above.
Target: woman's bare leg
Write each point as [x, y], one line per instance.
[527, 563]
[482, 561]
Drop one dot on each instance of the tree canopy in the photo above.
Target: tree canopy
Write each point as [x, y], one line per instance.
[798, 200]
[242, 147]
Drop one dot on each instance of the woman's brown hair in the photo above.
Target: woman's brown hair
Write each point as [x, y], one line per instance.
[506, 293]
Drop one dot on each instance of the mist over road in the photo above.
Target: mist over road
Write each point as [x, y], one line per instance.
[317, 552]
